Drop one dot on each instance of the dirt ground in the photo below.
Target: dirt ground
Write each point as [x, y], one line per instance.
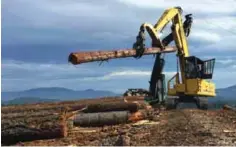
[175, 127]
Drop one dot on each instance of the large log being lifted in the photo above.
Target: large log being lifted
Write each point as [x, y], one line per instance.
[84, 57]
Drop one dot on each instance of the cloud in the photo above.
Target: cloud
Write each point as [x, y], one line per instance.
[128, 73]
[37, 37]
[107, 24]
[214, 34]
[134, 74]
[225, 22]
[227, 61]
[234, 66]
[33, 75]
[200, 6]
[226, 45]
[18, 75]
[205, 36]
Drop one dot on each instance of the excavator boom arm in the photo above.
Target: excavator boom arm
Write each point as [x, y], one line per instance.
[174, 15]
[190, 82]
[178, 34]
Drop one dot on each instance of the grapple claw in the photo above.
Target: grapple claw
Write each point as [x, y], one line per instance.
[139, 45]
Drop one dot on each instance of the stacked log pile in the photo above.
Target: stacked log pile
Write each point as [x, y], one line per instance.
[49, 121]
[28, 126]
[111, 114]
[36, 122]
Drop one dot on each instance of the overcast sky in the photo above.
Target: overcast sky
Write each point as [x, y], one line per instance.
[37, 37]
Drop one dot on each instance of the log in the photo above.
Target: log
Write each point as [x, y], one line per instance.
[133, 98]
[84, 57]
[27, 115]
[19, 129]
[227, 107]
[101, 118]
[119, 106]
[76, 108]
[21, 133]
[109, 118]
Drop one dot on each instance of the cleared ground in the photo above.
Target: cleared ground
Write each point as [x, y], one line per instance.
[177, 127]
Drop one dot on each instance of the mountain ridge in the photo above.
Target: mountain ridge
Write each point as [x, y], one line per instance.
[59, 93]
[27, 100]
[62, 94]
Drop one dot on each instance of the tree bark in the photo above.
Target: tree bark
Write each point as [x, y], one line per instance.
[101, 118]
[23, 132]
[227, 107]
[121, 106]
[84, 57]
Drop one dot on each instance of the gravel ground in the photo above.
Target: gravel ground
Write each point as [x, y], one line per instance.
[178, 127]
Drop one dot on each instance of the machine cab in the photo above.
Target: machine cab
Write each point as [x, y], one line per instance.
[197, 68]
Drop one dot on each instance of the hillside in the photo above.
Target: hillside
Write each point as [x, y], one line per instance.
[62, 94]
[27, 100]
[227, 93]
[57, 93]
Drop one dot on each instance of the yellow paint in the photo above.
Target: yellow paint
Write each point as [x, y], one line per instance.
[194, 87]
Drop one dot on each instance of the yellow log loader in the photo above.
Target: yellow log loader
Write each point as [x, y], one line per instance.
[192, 81]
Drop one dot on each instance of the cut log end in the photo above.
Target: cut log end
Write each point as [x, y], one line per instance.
[73, 59]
